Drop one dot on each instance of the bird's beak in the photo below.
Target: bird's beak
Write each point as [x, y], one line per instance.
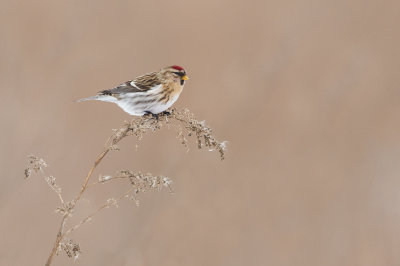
[185, 77]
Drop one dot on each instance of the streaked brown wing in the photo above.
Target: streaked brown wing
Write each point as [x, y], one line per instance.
[147, 81]
[123, 88]
[140, 84]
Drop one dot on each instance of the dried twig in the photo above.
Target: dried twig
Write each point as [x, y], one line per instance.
[185, 124]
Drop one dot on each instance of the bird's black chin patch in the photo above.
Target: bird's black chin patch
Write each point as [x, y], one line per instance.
[182, 82]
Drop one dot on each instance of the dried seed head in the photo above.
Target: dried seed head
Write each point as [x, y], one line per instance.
[186, 126]
[112, 202]
[51, 181]
[34, 164]
[70, 248]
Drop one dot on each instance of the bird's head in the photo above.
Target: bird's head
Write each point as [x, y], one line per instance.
[176, 73]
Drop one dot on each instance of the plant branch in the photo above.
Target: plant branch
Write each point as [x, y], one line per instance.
[105, 205]
[185, 124]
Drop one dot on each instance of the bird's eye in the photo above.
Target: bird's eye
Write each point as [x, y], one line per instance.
[181, 74]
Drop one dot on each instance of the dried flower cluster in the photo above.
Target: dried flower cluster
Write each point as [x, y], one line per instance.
[186, 126]
[185, 123]
[35, 164]
[70, 248]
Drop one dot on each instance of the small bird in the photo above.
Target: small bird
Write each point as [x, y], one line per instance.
[151, 93]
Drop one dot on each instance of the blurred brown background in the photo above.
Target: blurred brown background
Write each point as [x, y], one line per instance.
[306, 93]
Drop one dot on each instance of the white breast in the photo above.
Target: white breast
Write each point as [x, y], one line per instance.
[131, 102]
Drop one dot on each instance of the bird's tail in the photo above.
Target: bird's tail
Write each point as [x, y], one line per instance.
[96, 97]
[99, 97]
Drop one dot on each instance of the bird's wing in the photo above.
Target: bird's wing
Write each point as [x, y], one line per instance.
[140, 84]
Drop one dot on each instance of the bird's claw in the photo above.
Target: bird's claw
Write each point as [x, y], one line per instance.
[157, 116]
[153, 115]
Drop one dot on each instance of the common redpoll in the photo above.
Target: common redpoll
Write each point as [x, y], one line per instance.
[152, 93]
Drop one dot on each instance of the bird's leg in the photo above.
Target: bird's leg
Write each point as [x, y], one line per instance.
[166, 113]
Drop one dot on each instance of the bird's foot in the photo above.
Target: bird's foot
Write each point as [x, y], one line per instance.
[153, 115]
[166, 113]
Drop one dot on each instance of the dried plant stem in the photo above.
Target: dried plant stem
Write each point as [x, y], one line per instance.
[105, 205]
[186, 125]
[58, 240]
[61, 198]
[60, 235]
[89, 175]
[102, 182]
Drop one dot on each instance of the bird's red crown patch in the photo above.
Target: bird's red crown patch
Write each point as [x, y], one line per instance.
[178, 68]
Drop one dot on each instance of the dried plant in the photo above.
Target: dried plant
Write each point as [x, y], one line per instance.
[185, 124]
